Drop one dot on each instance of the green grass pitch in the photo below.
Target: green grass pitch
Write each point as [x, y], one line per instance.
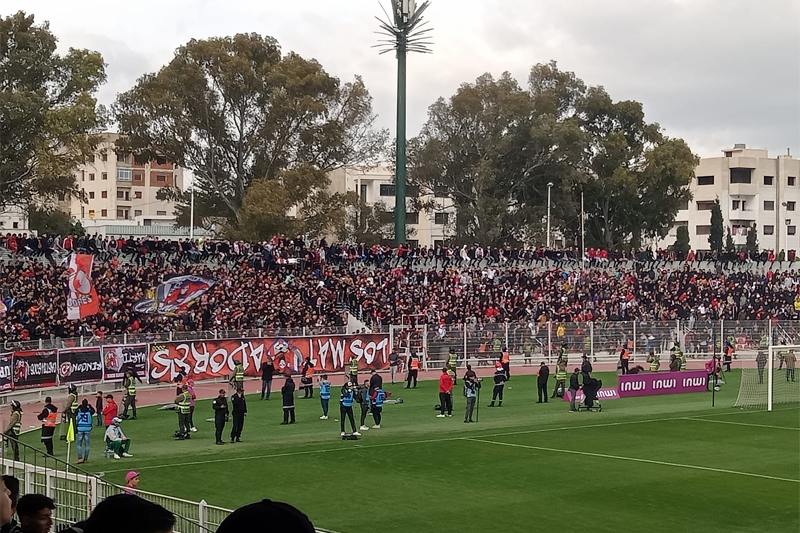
[655, 464]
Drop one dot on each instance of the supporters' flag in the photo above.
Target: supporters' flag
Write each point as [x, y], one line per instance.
[174, 295]
[71, 432]
[82, 300]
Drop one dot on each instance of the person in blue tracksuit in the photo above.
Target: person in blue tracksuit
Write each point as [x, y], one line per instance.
[324, 395]
[346, 399]
[378, 397]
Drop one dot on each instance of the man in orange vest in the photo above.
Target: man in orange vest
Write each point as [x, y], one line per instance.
[505, 359]
[413, 370]
[48, 418]
[624, 358]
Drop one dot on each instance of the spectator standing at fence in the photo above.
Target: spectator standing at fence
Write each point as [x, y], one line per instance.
[84, 420]
[237, 376]
[394, 364]
[98, 408]
[413, 370]
[110, 410]
[499, 384]
[183, 402]
[49, 417]
[267, 371]
[287, 395]
[445, 394]
[541, 381]
[129, 400]
[324, 395]
[791, 360]
[190, 388]
[35, 512]
[239, 404]
[131, 482]
[12, 430]
[220, 407]
[574, 387]
[116, 439]
[346, 399]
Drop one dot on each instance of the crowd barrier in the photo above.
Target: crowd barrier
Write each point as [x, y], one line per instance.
[199, 359]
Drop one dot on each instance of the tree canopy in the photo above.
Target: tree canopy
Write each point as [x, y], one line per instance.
[493, 148]
[49, 116]
[239, 113]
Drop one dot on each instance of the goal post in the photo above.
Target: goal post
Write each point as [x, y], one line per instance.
[779, 385]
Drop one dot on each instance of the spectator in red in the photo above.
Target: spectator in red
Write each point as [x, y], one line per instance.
[110, 410]
[445, 394]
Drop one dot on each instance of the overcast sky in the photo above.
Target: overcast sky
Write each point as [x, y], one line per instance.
[715, 72]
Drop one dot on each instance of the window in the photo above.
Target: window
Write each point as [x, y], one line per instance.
[104, 213]
[363, 192]
[161, 178]
[739, 230]
[83, 176]
[412, 218]
[91, 213]
[791, 230]
[15, 225]
[124, 195]
[387, 217]
[741, 175]
[702, 230]
[137, 195]
[728, 154]
[122, 157]
[91, 177]
[91, 195]
[790, 206]
[161, 213]
[137, 213]
[769, 230]
[705, 180]
[769, 205]
[62, 197]
[684, 206]
[161, 160]
[104, 194]
[90, 159]
[124, 174]
[705, 206]
[441, 218]
[105, 175]
[735, 205]
[138, 176]
[387, 189]
[105, 156]
[768, 180]
[791, 181]
[120, 213]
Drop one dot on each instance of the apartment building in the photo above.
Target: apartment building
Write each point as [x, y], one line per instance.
[121, 187]
[375, 185]
[752, 188]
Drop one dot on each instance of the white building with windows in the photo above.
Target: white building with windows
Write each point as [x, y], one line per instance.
[752, 188]
[377, 185]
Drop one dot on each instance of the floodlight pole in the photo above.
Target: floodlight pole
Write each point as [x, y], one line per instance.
[400, 155]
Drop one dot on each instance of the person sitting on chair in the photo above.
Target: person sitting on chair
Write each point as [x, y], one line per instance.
[116, 439]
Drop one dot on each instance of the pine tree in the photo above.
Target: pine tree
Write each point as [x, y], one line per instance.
[715, 238]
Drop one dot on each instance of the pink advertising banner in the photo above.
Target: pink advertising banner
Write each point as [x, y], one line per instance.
[653, 383]
[602, 394]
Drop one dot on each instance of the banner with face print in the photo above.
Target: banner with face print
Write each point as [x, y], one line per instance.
[35, 368]
[82, 300]
[6, 381]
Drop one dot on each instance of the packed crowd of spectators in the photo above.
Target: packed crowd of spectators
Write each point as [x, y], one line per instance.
[288, 283]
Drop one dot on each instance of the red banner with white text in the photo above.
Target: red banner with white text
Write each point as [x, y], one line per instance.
[214, 359]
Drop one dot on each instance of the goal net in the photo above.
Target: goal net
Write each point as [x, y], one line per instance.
[772, 379]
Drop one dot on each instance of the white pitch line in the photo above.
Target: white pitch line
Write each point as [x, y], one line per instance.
[740, 423]
[635, 459]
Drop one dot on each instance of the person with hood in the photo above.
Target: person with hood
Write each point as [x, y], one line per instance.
[12, 430]
[110, 410]
[287, 395]
[49, 419]
[84, 420]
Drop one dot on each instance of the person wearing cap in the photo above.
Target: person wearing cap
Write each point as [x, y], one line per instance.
[49, 418]
[110, 410]
[237, 376]
[239, 412]
[14, 427]
[70, 408]
[116, 439]
[131, 482]
[190, 385]
[220, 406]
[287, 394]
[346, 399]
[183, 401]
[264, 516]
[129, 400]
[500, 379]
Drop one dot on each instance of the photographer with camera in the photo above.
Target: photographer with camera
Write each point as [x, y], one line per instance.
[471, 386]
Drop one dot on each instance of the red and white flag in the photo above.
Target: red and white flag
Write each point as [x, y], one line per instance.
[82, 300]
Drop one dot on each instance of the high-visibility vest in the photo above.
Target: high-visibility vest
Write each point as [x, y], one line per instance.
[73, 405]
[654, 364]
[561, 374]
[184, 406]
[564, 354]
[239, 373]
[587, 343]
[131, 387]
[452, 360]
[50, 421]
[506, 358]
[764, 342]
[626, 354]
[415, 364]
[353, 365]
[683, 361]
[16, 423]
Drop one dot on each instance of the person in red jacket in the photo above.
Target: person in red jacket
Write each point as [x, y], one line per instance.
[445, 394]
[110, 410]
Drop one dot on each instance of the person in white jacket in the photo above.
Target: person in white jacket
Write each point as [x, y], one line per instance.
[116, 439]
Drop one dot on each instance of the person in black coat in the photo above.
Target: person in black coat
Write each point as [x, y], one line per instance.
[541, 381]
[586, 368]
[220, 405]
[287, 393]
[574, 386]
[239, 412]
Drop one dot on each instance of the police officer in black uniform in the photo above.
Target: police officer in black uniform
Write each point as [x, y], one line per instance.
[220, 406]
